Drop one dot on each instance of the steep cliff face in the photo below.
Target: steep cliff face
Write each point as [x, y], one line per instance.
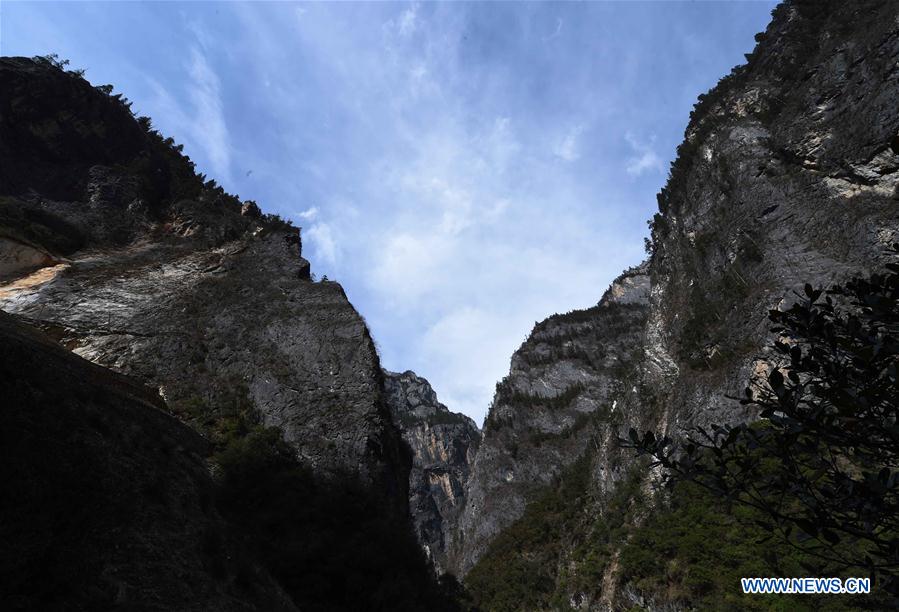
[217, 435]
[788, 174]
[564, 385]
[443, 445]
[144, 268]
[107, 499]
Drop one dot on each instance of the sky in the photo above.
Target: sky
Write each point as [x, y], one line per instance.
[464, 170]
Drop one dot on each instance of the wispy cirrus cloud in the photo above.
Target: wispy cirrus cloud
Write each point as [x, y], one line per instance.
[568, 147]
[208, 121]
[309, 214]
[197, 117]
[645, 158]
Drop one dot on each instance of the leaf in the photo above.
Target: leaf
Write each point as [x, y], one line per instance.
[807, 526]
[776, 379]
[732, 436]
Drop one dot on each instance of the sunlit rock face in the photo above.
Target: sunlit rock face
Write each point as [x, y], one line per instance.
[788, 173]
[443, 445]
[111, 242]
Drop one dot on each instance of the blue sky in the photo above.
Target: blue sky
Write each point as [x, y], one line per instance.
[463, 169]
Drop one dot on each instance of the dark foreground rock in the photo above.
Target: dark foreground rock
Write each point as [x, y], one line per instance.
[107, 499]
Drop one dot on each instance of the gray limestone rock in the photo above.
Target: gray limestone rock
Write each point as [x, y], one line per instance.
[443, 445]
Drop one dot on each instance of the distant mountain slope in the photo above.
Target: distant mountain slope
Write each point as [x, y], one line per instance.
[443, 445]
[565, 378]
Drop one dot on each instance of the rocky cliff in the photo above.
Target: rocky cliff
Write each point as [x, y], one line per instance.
[145, 268]
[250, 461]
[443, 445]
[788, 174]
[565, 379]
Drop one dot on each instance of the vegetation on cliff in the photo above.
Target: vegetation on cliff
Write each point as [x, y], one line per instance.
[809, 490]
[687, 549]
[821, 472]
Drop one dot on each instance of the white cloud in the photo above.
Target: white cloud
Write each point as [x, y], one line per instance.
[567, 147]
[556, 32]
[324, 245]
[440, 205]
[407, 21]
[467, 384]
[646, 161]
[210, 129]
[309, 214]
[409, 267]
[646, 158]
[198, 122]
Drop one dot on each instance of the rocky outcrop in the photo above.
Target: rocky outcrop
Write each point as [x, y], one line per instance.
[213, 328]
[443, 445]
[174, 282]
[565, 382]
[107, 501]
[788, 174]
